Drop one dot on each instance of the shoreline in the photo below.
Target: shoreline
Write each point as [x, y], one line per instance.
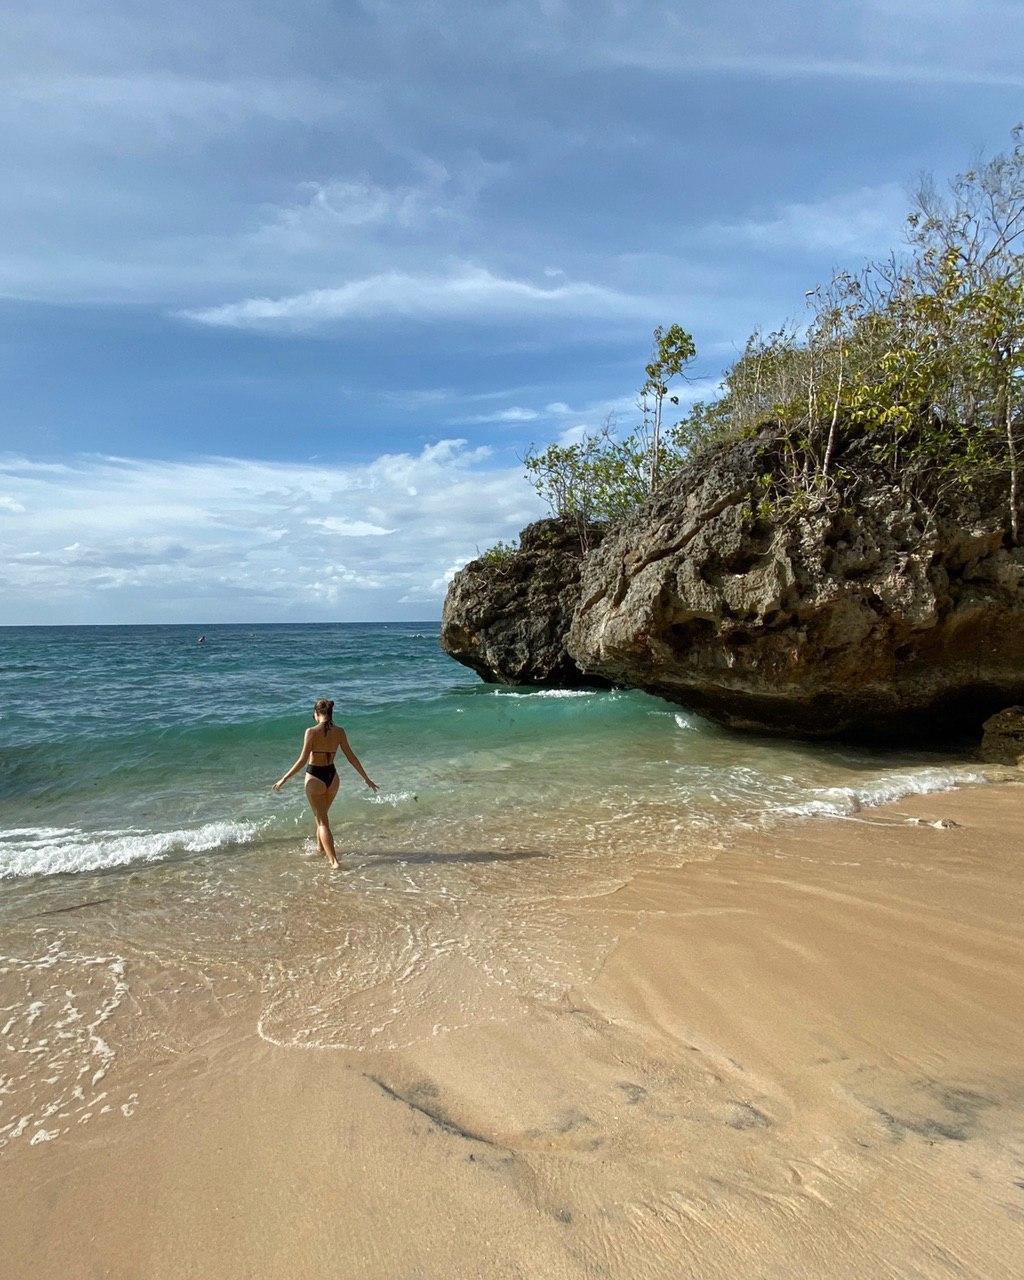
[801, 1057]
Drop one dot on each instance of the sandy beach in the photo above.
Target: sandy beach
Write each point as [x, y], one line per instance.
[799, 1058]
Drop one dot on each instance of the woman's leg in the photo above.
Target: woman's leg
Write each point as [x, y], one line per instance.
[331, 792]
[320, 798]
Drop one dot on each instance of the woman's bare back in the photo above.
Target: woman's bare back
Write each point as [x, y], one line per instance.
[324, 744]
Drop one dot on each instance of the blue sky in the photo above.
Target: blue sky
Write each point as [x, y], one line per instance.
[285, 289]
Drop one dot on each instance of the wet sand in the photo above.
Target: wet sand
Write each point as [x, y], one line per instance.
[803, 1057]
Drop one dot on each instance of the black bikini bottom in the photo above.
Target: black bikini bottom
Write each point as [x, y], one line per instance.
[325, 772]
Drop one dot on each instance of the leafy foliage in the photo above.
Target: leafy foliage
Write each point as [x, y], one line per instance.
[914, 367]
[499, 554]
[602, 477]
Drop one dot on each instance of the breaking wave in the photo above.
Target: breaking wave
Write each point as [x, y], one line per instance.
[840, 802]
[31, 851]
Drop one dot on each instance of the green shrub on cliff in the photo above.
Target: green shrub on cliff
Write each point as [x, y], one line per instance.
[918, 361]
[601, 477]
[501, 553]
[919, 358]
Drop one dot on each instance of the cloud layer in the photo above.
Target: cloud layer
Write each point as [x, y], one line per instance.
[259, 230]
[250, 167]
[221, 539]
[468, 293]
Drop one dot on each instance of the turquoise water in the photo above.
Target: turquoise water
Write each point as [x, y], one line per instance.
[121, 745]
[154, 891]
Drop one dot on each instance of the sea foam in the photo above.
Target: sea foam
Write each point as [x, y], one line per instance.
[840, 802]
[549, 693]
[26, 851]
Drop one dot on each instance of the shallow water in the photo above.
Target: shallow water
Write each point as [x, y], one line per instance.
[147, 865]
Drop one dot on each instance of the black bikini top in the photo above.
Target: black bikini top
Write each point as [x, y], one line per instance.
[313, 751]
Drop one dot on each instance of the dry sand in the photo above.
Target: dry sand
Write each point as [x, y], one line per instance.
[804, 1058]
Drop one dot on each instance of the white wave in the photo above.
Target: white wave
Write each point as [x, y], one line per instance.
[839, 802]
[37, 851]
[549, 693]
[683, 722]
[393, 797]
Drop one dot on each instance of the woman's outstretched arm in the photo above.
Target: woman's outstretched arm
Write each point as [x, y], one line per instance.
[353, 759]
[298, 763]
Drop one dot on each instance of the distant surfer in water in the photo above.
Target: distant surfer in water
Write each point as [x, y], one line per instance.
[201, 640]
[318, 749]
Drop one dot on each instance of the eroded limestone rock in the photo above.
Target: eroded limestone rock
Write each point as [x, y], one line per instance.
[1002, 740]
[882, 619]
[508, 619]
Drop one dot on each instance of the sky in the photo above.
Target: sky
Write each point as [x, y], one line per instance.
[286, 289]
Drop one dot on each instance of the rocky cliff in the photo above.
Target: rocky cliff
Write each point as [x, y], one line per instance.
[875, 618]
[878, 618]
[508, 616]
[1002, 741]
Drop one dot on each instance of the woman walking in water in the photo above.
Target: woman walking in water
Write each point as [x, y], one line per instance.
[318, 748]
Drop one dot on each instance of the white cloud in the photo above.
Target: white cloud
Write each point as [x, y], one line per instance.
[441, 584]
[226, 538]
[468, 292]
[772, 66]
[350, 528]
[902, 42]
[337, 208]
[622, 413]
[513, 414]
[571, 423]
[8, 503]
[597, 411]
[328, 211]
[157, 153]
[869, 220]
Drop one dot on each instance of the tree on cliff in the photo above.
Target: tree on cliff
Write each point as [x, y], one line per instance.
[969, 256]
[673, 350]
[913, 368]
[602, 476]
[919, 360]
